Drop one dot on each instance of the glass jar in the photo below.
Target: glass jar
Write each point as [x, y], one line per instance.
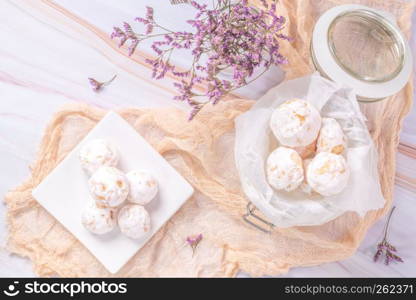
[362, 48]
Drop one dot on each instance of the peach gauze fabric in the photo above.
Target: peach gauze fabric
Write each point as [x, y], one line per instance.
[202, 151]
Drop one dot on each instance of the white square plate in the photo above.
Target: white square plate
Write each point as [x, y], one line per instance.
[64, 192]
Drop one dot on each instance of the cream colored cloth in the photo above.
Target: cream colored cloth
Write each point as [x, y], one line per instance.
[202, 151]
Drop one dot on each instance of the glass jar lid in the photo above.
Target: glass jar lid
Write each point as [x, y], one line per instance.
[362, 48]
[366, 46]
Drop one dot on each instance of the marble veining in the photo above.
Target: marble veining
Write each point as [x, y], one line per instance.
[46, 57]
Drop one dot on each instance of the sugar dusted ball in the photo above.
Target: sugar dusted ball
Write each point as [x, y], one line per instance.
[331, 137]
[143, 187]
[328, 173]
[295, 123]
[284, 169]
[134, 221]
[98, 220]
[108, 186]
[97, 153]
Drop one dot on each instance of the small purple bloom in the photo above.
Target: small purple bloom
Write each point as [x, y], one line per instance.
[97, 85]
[132, 46]
[149, 13]
[149, 28]
[385, 248]
[231, 36]
[142, 20]
[118, 33]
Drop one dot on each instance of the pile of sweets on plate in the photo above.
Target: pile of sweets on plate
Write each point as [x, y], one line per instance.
[116, 198]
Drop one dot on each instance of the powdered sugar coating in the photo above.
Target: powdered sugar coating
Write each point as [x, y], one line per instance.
[97, 153]
[108, 186]
[143, 186]
[98, 220]
[134, 221]
[284, 169]
[295, 123]
[328, 173]
[331, 137]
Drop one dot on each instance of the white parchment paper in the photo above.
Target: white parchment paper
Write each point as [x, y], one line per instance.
[255, 141]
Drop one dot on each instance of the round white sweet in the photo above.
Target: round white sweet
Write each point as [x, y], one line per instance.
[97, 153]
[295, 123]
[143, 187]
[98, 220]
[328, 173]
[331, 137]
[108, 186]
[284, 169]
[134, 221]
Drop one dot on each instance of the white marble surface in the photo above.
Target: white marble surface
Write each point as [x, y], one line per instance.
[45, 59]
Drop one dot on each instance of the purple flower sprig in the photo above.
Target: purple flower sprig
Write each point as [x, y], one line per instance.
[194, 241]
[384, 248]
[97, 85]
[230, 36]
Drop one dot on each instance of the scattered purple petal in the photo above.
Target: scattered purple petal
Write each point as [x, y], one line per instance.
[97, 85]
[194, 241]
[385, 248]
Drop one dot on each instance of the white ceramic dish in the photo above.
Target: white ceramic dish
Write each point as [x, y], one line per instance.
[64, 191]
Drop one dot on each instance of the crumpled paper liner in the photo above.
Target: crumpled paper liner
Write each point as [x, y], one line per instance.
[255, 142]
[202, 151]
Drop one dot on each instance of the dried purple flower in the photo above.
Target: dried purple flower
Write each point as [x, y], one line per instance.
[118, 33]
[149, 13]
[97, 85]
[377, 255]
[230, 35]
[194, 241]
[385, 248]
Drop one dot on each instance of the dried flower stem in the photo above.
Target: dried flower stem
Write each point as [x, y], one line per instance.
[231, 35]
[109, 81]
[387, 225]
[385, 248]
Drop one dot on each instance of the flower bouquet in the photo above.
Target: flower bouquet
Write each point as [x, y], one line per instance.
[231, 37]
